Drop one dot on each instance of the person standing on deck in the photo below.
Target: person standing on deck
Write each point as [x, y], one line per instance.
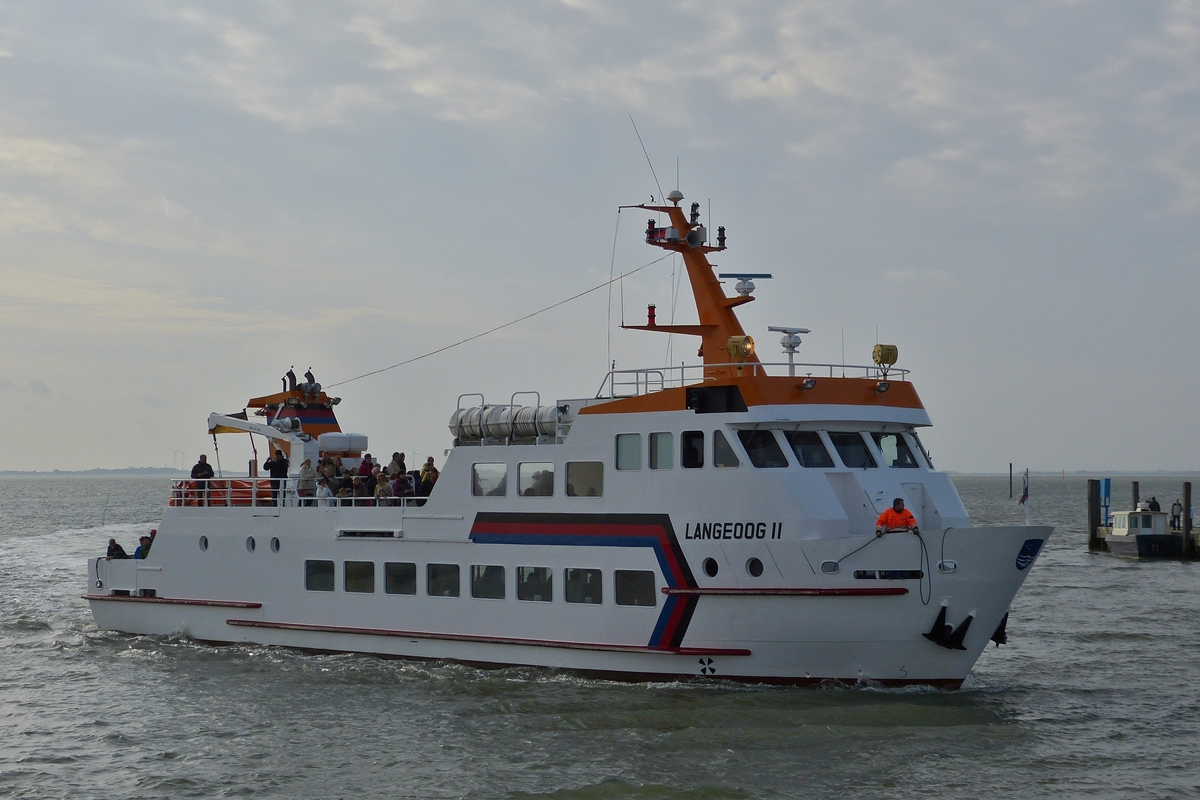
[201, 474]
[896, 518]
[1176, 514]
[278, 467]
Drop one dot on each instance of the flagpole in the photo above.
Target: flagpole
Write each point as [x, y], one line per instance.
[1025, 500]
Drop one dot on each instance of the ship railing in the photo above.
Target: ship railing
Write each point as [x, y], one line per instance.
[259, 493]
[635, 382]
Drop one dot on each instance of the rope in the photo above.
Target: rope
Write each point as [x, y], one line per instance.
[498, 327]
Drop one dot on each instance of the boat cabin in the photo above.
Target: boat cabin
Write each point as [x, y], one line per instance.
[1141, 521]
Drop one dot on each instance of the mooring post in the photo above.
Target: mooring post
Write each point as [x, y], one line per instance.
[1187, 519]
[1135, 496]
[1094, 542]
[1010, 480]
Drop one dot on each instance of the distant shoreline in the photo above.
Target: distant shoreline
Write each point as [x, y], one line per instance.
[128, 472]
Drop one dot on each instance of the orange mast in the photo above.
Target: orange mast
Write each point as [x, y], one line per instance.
[722, 339]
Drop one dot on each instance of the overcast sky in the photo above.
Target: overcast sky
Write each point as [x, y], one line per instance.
[196, 196]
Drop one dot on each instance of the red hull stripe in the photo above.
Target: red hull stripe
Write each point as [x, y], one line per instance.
[785, 592]
[172, 601]
[465, 637]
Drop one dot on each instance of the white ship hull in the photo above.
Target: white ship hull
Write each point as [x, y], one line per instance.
[794, 624]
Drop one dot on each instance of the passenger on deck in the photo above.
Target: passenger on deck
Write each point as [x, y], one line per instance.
[115, 550]
[143, 548]
[1176, 514]
[364, 466]
[362, 495]
[430, 476]
[278, 467]
[1154, 506]
[427, 466]
[306, 482]
[383, 492]
[201, 474]
[897, 518]
[402, 486]
[396, 465]
[324, 493]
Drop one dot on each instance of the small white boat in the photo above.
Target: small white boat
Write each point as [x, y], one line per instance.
[715, 520]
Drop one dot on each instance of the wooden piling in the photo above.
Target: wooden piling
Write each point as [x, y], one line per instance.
[1187, 520]
[1093, 501]
[1135, 496]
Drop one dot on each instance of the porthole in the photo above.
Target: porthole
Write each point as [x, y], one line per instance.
[754, 567]
[249, 544]
[203, 543]
[710, 567]
[274, 544]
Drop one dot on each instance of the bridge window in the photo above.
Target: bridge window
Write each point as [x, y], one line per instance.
[489, 480]
[536, 479]
[629, 451]
[723, 454]
[763, 450]
[691, 449]
[535, 583]
[487, 582]
[585, 479]
[359, 576]
[583, 586]
[441, 580]
[917, 441]
[809, 449]
[661, 445]
[895, 450]
[634, 587]
[853, 450]
[400, 577]
[318, 576]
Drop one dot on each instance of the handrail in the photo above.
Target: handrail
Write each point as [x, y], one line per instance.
[255, 493]
[637, 382]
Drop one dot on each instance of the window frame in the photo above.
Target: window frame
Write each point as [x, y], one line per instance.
[824, 447]
[653, 454]
[475, 479]
[567, 479]
[523, 581]
[387, 578]
[429, 568]
[477, 579]
[346, 577]
[599, 601]
[617, 588]
[637, 451]
[717, 432]
[521, 488]
[867, 448]
[308, 574]
[771, 432]
[685, 446]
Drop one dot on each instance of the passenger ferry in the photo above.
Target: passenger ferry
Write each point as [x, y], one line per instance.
[714, 521]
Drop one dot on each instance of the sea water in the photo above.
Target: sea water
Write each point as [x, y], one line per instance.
[1097, 694]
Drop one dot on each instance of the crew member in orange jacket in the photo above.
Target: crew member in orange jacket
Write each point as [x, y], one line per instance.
[896, 518]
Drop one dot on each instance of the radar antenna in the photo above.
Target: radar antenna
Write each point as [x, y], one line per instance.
[790, 341]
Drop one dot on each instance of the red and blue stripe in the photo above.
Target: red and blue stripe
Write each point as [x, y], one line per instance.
[606, 530]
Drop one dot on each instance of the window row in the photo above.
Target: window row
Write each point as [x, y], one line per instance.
[764, 450]
[536, 479]
[487, 581]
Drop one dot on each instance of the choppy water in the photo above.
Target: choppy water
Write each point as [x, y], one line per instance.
[1097, 694]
